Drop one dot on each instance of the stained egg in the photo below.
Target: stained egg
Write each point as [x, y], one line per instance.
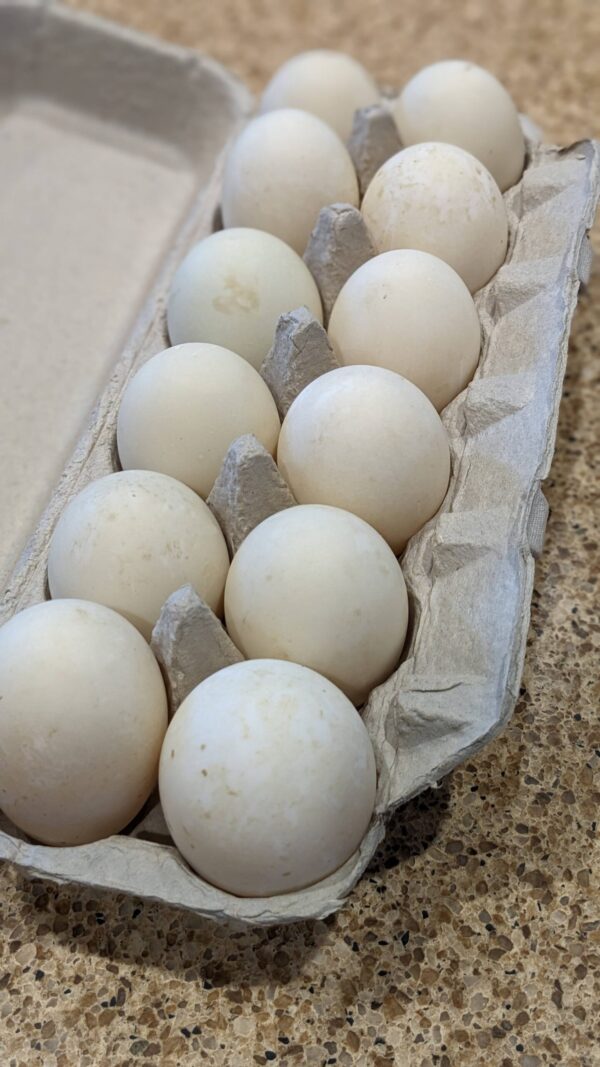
[231, 289]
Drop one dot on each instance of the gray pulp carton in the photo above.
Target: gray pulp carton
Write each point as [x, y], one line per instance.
[469, 571]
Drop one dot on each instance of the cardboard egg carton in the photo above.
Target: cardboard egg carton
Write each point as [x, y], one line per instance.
[469, 572]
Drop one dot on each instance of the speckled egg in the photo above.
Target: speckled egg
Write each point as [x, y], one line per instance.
[130, 539]
[438, 198]
[267, 778]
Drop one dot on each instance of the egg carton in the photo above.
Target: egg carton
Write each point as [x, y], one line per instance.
[469, 571]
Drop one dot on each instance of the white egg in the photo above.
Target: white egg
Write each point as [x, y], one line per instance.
[367, 440]
[438, 198]
[319, 586]
[83, 713]
[267, 778]
[464, 105]
[412, 313]
[283, 168]
[231, 289]
[130, 539]
[331, 85]
[184, 408]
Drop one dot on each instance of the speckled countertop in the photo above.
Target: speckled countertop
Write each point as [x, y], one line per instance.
[475, 936]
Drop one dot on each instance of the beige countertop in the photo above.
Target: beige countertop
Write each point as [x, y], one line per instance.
[474, 938]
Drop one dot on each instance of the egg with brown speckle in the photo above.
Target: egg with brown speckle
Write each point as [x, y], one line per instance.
[130, 539]
[438, 198]
[267, 778]
[232, 287]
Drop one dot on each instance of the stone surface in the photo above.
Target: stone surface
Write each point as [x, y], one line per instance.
[338, 245]
[374, 138]
[190, 643]
[248, 489]
[473, 939]
[301, 352]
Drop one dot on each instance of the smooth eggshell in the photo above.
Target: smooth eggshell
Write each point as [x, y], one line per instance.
[231, 289]
[410, 312]
[184, 408]
[267, 778]
[283, 168]
[83, 713]
[130, 539]
[319, 586]
[438, 198]
[464, 105]
[367, 440]
[331, 85]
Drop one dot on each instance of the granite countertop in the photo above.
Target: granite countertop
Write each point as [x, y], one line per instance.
[474, 938]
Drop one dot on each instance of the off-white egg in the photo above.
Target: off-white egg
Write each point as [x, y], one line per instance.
[267, 778]
[283, 168]
[331, 85]
[412, 313]
[438, 198]
[83, 713]
[185, 406]
[464, 105]
[130, 539]
[367, 440]
[231, 289]
[319, 586]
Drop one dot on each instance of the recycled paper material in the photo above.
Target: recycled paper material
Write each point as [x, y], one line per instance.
[469, 572]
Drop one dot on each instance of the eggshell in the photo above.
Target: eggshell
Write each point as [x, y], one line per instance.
[319, 586]
[331, 85]
[464, 105]
[83, 713]
[130, 539]
[410, 312]
[283, 168]
[438, 198]
[367, 440]
[267, 778]
[231, 289]
[184, 408]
